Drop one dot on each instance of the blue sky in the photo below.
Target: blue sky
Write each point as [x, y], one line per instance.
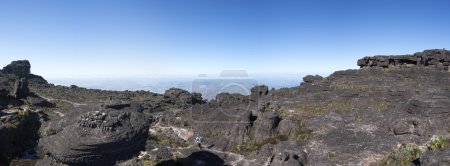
[112, 38]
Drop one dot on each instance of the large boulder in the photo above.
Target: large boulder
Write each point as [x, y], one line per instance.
[312, 79]
[18, 132]
[287, 153]
[265, 125]
[96, 135]
[181, 98]
[20, 68]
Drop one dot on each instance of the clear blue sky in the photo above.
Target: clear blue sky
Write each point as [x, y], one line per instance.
[158, 37]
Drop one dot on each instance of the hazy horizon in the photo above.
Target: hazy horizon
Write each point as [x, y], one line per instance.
[161, 84]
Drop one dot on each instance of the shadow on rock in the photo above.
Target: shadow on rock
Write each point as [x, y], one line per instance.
[201, 158]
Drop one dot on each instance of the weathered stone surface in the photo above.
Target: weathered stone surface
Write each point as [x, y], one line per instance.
[440, 157]
[312, 79]
[265, 126]
[430, 58]
[21, 88]
[287, 153]
[430, 104]
[352, 117]
[182, 98]
[258, 91]
[18, 132]
[19, 68]
[98, 137]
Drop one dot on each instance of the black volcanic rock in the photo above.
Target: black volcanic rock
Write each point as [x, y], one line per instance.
[98, 135]
[20, 68]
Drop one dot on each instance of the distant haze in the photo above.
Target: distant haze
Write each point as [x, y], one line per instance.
[161, 84]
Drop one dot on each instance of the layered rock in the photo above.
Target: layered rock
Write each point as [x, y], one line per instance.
[20, 68]
[98, 137]
[439, 59]
[181, 98]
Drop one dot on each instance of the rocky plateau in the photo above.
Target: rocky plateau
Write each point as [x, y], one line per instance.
[394, 110]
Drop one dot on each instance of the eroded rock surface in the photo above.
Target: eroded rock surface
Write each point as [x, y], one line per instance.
[98, 135]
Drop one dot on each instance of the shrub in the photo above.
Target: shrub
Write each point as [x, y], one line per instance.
[404, 155]
[437, 142]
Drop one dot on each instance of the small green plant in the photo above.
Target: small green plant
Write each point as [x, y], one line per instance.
[253, 145]
[50, 131]
[167, 141]
[146, 162]
[404, 155]
[160, 139]
[300, 134]
[437, 143]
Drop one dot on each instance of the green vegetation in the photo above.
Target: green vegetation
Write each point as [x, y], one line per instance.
[319, 108]
[145, 162]
[161, 139]
[404, 155]
[167, 141]
[438, 143]
[253, 145]
[25, 118]
[300, 134]
[214, 133]
[50, 131]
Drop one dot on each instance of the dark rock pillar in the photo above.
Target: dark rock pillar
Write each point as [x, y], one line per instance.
[21, 88]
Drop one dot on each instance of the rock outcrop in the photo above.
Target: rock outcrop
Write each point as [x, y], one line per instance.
[439, 59]
[98, 137]
[287, 153]
[20, 68]
[18, 132]
[392, 111]
[181, 98]
[21, 88]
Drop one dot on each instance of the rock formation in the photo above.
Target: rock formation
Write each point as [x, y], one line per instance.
[18, 132]
[182, 98]
[98, 136]
[20, 68]
[439, 59]
[392, 111]
[21, 88]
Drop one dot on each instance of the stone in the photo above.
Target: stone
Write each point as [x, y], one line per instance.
[265, 125]
[19, 68]
[260, 90]
[18, 132]
[286, 153]
[312, 79]
[98, 137]
[182, 98]
[21, 88]
[440, 157]
[429, 58]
